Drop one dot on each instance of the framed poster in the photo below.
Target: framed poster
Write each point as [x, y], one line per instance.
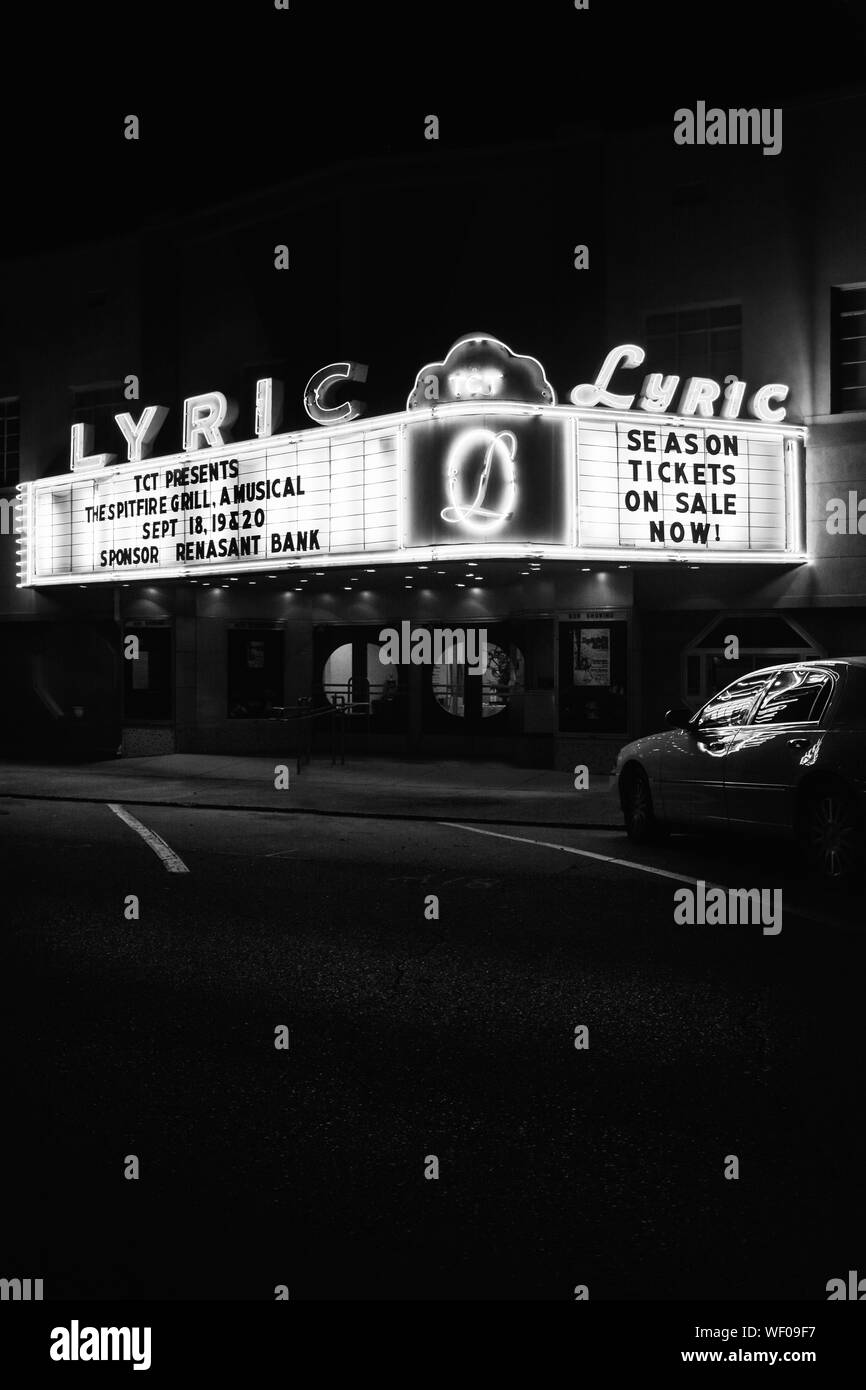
[592, 656]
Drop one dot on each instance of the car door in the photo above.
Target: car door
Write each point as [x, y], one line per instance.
[765, 759]
[693, 759]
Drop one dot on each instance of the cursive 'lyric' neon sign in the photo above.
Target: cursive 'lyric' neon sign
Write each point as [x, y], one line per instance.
[698, 397]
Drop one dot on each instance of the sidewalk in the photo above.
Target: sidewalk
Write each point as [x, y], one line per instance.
[452, 790]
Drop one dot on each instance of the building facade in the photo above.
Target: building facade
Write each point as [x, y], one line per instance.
[544, 482]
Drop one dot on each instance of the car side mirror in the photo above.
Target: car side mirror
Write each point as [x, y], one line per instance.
[679, 718]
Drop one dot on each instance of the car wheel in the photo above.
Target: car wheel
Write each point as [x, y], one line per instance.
[832, 835]
[637, 804]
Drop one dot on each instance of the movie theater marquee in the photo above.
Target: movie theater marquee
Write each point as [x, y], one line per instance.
[482, 461]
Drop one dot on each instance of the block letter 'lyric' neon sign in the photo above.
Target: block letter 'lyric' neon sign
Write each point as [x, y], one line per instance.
[482, 459]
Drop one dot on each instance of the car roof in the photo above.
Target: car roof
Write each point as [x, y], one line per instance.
[839, 661]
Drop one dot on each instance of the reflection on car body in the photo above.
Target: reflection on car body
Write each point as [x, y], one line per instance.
[779, 751]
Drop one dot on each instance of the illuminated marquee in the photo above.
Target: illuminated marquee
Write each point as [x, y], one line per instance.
[482, 458]
[685, 486]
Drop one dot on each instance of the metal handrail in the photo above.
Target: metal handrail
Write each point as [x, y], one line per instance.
[303, 715]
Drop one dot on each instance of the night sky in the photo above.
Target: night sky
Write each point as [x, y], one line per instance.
[237, 97]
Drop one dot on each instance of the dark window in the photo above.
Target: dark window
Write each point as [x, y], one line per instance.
[10, 415]
[255, 660]
[696, 342]
[97, 406]
[732, 706]
[593, 676]
[795, 697]
[147, 678]
[847, 349]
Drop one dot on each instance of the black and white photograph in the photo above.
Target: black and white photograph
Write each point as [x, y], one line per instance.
[433, 649]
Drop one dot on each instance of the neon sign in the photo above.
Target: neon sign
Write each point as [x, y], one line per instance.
[604, 474]
[698, 395]
[207, 418]
[476, 367]
[476, 381]
[502, 447]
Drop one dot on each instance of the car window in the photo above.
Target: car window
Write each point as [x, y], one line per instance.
[795, 697]
[732, 705]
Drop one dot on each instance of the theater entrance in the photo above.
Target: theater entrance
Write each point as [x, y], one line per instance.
[466, 700]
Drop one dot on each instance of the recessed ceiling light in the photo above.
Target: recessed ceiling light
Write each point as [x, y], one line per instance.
[622, 567]
[252, 583]
[369, 571]
[272, 576]
[584, 569]
[232, 580]
[348, 588]
[440, 571]
[298, 589]
[320, 574]
[460, 586]
[407, 586]
[524, 571]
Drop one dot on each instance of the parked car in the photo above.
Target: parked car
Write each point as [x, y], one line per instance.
[781, 751]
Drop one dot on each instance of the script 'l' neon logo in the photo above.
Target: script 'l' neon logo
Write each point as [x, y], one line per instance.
[474, 516]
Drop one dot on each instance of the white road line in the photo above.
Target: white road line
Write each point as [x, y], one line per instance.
[172, 862]
[803, 912]
[584, 854]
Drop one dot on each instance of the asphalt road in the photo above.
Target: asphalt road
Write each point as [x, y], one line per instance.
[412, 1037]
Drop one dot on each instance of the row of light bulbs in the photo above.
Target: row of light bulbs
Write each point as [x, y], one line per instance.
[347, 588]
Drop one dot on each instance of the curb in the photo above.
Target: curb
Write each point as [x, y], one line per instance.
[317, 811]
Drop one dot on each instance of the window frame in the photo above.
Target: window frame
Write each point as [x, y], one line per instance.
[837, 391]
[7, 482]
[681, 335]
[95, 413]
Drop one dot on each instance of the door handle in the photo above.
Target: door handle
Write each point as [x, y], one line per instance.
[797, 742]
